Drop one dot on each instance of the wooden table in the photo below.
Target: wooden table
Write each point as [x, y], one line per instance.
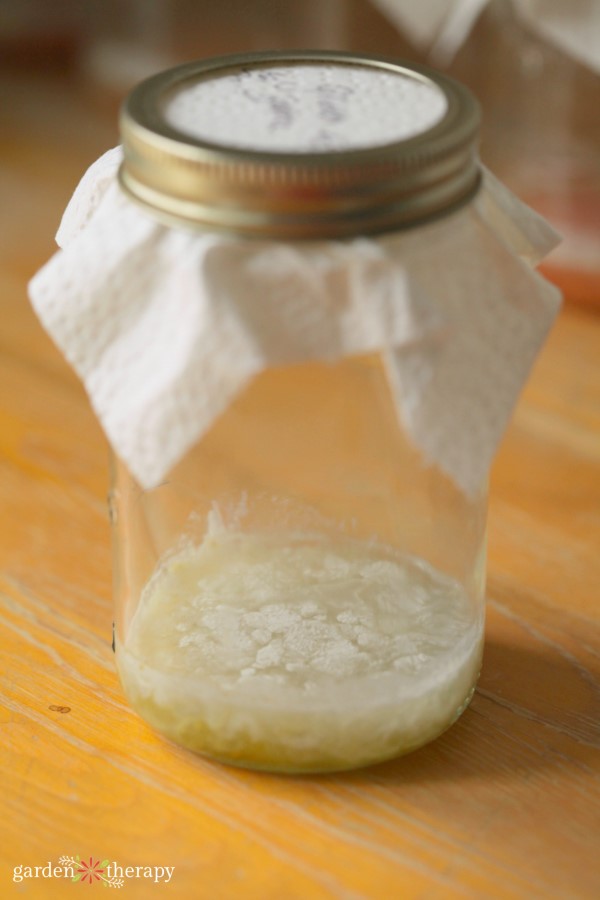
[504, 805]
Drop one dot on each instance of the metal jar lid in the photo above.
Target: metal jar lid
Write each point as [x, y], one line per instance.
[185, 171]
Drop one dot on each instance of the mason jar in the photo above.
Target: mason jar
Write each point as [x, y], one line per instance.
[304, 590]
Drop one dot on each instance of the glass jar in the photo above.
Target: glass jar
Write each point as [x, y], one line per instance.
[304, 591]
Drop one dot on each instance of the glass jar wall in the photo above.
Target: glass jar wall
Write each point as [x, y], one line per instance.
[303, 593]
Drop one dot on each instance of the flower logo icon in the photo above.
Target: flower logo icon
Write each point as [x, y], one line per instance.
[92, 871]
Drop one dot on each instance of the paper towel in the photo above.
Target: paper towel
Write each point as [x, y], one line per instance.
[440, 27]
[166, 325]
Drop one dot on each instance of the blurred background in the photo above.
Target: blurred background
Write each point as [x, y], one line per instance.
[66, 65]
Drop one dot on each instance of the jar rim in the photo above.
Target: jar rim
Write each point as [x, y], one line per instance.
[189, 180]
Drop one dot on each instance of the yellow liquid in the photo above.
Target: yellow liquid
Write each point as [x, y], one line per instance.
[296, 653]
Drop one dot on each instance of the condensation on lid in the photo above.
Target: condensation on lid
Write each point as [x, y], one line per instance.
[307, 108]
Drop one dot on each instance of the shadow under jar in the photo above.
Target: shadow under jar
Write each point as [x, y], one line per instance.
[303, 592]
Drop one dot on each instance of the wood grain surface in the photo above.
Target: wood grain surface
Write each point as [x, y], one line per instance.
[504, 805]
